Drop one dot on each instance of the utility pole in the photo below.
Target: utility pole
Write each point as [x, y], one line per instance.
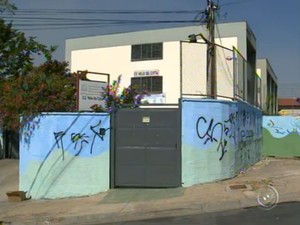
[211, 51]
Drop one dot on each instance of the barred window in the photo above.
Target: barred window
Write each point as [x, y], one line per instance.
[151, 84]
[146, 52]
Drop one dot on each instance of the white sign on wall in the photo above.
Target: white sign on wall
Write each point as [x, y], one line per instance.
[90, 93]
[141, 73]
[155, 98]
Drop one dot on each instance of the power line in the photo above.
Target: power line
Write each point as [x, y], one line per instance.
[88, 12]
[235, 2]
[42, 19]
[106, 11]
[109, 22]
[88, 20]
[94, 24]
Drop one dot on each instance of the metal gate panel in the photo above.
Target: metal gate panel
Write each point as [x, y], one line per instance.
[147, 148]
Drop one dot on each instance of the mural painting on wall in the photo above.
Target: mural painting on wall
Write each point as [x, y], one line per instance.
[60, 146]
[280, 127]
[281, 136]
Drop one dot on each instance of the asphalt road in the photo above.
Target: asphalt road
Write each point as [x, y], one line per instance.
[283, 214]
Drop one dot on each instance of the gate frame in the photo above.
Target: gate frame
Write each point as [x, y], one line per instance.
[113, 140]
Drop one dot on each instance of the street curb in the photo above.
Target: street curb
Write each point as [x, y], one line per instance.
[185, 210]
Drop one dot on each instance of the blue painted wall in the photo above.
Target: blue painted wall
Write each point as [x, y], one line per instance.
[65, 155]
[219, 139]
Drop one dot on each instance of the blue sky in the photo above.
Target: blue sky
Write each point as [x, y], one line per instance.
[275, 24]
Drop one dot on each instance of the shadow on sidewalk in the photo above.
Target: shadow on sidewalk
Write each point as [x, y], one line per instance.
[141, 194]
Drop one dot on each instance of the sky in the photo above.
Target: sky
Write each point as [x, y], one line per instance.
[275, 23]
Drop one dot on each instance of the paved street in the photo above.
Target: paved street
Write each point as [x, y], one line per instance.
[285, 214]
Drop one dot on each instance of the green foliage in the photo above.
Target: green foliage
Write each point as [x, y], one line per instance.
[17, 51]
[47, 88]
[6, 6]
[24, 89]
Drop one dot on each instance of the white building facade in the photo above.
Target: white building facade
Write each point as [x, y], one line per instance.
[165, 64]
[269, 87]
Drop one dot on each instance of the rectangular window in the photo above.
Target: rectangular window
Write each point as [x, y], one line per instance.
[151, 84]
[147, 52]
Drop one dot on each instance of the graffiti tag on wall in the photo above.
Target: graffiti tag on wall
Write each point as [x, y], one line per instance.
[220, 132]
[77, 135]
[62, 145]
[250, 135]
[242, 128]
[79, 140]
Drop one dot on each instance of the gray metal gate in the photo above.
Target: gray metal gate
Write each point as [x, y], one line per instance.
[147, 147]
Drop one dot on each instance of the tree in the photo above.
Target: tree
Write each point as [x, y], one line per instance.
[47, 88]
[17, 52]
[5, 5]
[25, 89]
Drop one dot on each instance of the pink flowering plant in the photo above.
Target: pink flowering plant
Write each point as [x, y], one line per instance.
[114, 98]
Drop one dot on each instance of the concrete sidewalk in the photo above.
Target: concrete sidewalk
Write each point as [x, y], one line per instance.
[134, 204]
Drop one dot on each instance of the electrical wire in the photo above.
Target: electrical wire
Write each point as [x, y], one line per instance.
[42, 19]
[109, 22]
[235, 2]
[89, 11]
[89, 25]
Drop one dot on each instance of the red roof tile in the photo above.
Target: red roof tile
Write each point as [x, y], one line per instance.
[288, 102]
